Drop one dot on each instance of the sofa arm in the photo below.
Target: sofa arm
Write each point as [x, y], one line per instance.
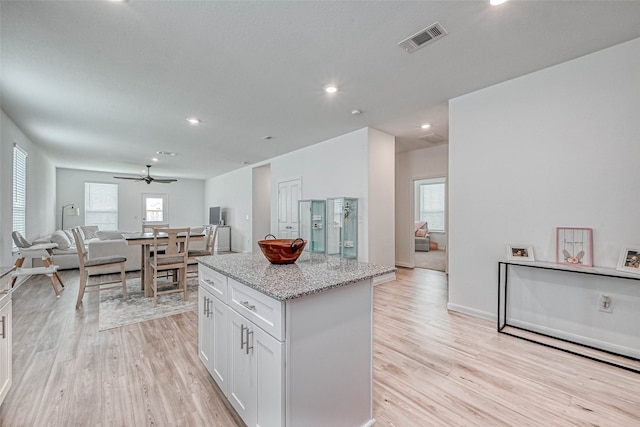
[105, 248]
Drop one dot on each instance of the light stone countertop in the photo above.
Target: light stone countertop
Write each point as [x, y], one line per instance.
[310, 274]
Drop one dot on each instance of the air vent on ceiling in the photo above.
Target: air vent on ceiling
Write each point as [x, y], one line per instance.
[433, 139]
[422, 38]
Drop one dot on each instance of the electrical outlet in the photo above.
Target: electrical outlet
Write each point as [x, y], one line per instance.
[604, 303]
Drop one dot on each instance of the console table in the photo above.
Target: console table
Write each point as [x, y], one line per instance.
[542, 279]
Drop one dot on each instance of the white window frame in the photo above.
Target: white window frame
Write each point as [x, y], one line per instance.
[89, 210]
[419, 215]
[165, 207]
[19, 192]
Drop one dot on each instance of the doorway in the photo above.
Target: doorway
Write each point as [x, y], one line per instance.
[430, 223]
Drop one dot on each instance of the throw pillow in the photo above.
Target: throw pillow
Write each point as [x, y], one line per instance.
[61, 239]
[89, 231]
[421, 232]
[69, 234]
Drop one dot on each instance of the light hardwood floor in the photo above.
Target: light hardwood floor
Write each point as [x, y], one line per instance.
[431, 367]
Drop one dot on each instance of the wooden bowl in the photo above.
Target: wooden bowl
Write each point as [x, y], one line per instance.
[282, 251]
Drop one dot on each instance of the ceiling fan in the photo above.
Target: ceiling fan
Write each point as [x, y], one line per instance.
[148, 179]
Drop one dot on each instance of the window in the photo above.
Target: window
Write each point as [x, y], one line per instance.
[430, 203]
[101, 205]
[19, 191]
[155, 208]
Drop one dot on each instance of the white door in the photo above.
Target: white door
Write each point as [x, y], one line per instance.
[289, 192]
[241, 390]
[155, 209]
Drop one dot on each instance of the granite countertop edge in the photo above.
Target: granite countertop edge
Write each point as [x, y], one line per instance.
[295, 291]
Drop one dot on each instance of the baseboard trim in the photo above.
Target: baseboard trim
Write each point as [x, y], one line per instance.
[384, 279]
[471, 311]
[405, 265]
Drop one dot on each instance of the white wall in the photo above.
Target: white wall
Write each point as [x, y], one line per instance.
[232, 191]
[333, 168]
[558, 147]
[41, 184]
[185, 199]
[261, 203]
[412, 165]
[381, 195]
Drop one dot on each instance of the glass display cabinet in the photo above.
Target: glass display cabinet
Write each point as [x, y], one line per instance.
[312, 224]
[342, 227]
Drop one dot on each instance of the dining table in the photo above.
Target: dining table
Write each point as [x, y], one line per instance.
[145, 241]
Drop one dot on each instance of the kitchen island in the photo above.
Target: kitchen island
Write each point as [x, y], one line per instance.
[290, 345]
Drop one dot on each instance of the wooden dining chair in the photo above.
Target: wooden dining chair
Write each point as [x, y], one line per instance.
[87, 265]
[170, 253]
[209, 246]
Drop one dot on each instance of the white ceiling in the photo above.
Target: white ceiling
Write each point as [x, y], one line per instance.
[104, 86]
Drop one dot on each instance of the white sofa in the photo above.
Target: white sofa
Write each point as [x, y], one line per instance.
[98, 244]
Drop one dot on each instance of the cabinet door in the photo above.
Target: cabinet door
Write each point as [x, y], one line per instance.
[205, 328]
[241, 386]
[5, 347]
[212, 336]
[218, 370]
[269, 378]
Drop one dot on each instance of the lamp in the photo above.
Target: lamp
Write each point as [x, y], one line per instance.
[72, 211]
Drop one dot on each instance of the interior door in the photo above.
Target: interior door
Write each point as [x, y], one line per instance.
[289, 192]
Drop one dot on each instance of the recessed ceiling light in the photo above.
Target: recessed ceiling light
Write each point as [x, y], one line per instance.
[267, 137]
[331, 88]
[154, 159]
[166, 153]
[356, 112]
[425, 126]
[497, 2]
[193, 120]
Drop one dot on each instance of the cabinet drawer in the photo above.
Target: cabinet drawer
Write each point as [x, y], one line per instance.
[215, 282]
[267, 313]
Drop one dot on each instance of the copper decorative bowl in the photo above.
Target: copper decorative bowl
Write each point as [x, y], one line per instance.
[281, 251]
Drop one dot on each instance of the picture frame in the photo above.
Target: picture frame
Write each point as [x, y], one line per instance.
[629, 260]
[520, 253]
[574, 246]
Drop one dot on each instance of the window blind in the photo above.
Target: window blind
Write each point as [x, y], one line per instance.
[19, 192]
[101, 205]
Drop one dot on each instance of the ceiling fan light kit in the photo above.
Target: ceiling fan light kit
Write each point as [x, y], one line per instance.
[148, 179]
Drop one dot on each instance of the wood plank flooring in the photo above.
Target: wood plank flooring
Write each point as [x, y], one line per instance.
[431, 367]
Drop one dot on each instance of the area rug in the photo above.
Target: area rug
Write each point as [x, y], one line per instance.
[433, 260]
[115, 312]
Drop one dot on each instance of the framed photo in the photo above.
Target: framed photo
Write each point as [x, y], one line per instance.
[574, 246]
[520, 253]
[629, 259]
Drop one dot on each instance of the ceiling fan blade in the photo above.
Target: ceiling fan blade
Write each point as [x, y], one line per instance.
[128, 177]
[164, 181]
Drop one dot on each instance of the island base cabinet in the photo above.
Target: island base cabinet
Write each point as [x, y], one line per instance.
[255, 373]
[5, 346]
[212, 336]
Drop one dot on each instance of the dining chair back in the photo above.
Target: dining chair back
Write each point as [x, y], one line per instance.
[209, 246]
[86, 265]
[170, 253]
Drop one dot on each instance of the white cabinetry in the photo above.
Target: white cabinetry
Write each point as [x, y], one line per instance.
[212, 325]
[302, 362]
[223, 239]
[5, 335]
[255, 373]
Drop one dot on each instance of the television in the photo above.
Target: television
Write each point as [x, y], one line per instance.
[215, 215]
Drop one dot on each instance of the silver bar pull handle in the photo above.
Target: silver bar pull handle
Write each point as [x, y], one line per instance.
[209, 303]
[242, 328]
[4, 330]
[248, 306]
[204, 306]
[249, 347]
